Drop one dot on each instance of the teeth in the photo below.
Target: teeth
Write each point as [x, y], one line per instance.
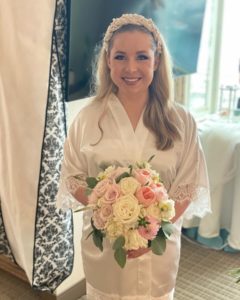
[131, 79]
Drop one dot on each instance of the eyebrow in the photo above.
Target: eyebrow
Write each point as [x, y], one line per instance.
[138, 52]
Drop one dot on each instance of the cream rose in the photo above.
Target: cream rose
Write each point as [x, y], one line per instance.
[126, 210]
[129, 185]
[134, 241]
[153, 210]
[114, 229]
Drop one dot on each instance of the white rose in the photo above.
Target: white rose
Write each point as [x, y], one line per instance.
[153, 210]
[126, 210]
[114, 229]
[134, 241]
[167, 209]
[129, 185]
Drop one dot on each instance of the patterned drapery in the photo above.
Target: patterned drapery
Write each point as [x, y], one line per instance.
[53, 249]
[4, 245]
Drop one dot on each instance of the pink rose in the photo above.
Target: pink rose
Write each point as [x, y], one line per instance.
[150, 231]
[143, 176]
[146, 196]
[112, 193]
[105, 212]
[101, 187]
[98, 221]
[160, 191]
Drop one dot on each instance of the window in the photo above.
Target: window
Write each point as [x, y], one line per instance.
[218, 59]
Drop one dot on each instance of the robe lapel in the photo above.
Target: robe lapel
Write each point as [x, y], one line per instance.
[133, 141]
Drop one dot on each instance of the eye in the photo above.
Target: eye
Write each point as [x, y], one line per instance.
[119, 57]
[142, 57]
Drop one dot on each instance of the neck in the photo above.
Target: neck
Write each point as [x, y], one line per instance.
[134, 106]
[137, 101]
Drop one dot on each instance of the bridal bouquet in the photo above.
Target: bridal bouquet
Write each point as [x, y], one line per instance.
[131, 209]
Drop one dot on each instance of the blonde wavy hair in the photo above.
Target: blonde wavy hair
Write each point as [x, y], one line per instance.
[158, 117]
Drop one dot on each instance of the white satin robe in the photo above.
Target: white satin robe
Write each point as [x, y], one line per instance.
[182, 169]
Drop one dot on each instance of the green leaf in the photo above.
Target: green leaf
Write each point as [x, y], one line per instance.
[158, 245]
[167, 229]
[98, 240]
[120, 256]
[161, 234]
[89, 234]
[88, 191]
[149, 160]
[92, 182]
[119, 242]
[235, 273]
[143, 222]
[130, 169]
[87, 207]
[123, 175]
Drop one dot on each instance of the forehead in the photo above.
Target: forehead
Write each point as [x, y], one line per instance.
[132, 41]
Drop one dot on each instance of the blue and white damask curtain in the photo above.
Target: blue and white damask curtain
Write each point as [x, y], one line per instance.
[33, 51]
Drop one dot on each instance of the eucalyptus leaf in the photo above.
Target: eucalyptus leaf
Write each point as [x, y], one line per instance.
[149, 160]
[99, 233]
[88, 207]
[89, 234]
[161, 234]
[98, 240]
[92, 182]
[119, 242]
[123, 175]
[158, 245]
[167, 228]
[235, 273]
[120, 256]
[130, 169]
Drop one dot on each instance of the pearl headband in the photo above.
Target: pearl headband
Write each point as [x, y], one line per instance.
[134, 19]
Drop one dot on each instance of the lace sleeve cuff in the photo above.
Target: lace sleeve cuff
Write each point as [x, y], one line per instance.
[199, 197]
[67, 188]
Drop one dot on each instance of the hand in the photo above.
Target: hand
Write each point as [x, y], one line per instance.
[80, 196]
[137, 253]
[180, 207]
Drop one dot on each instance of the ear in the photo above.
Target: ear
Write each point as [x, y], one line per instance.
[108, 60]
[156, 62]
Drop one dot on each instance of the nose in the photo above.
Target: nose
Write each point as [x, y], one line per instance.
[131, 65]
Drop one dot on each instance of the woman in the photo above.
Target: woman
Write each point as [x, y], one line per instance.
[132, 117]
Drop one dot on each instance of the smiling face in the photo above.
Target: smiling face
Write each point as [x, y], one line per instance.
[132, 63]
